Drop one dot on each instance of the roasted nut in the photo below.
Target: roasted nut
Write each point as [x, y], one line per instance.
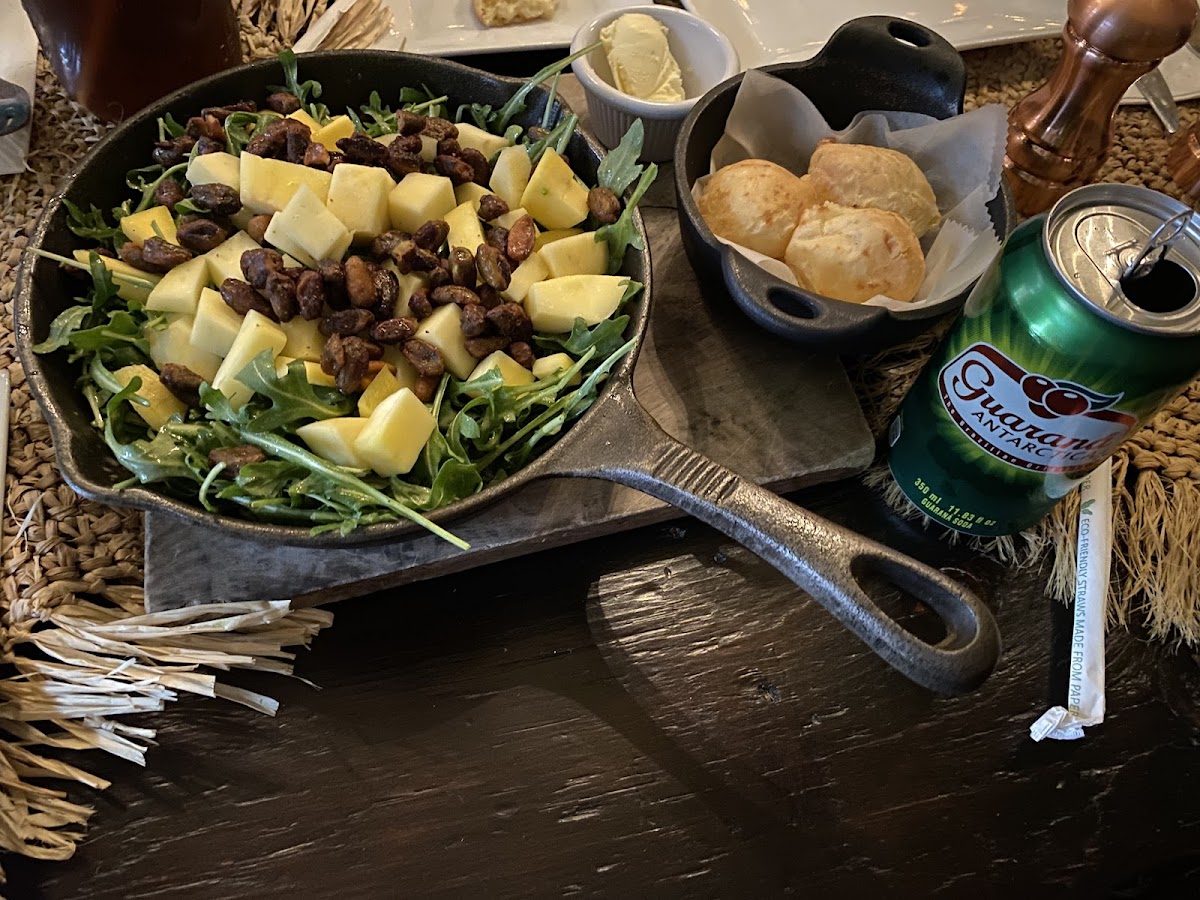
[224, 112]
[280, 292]
[241, 298]
[489, 297]
[491, 207]
[426, 387]
[481, 346]
[182, 382]
[360, 283]
[394, 331]
[131, 254]
[439, 128]
[333, 276]
[454, 168]
[347, 322]
[316, 156]
[411, 258]
[260, 263]
[482, 172]
[511, 320]
[497, 236]
[387, 291]
[282, 102]
[200, 235]
[431, 235]
[521, 238]
[448, 146]
[173, 152]
[209, 145]
[333, 354]
[604, 205]
[168, 193]
[235, 457]
[310, 294]
[452, 293]
[298, 143]
[204, 126]
[424, 356]
[216, 198]
[419, 304]
[257, 226]
[410, 123]
[363, 150]
[440, 276]
[381, 247]
[335, 159]
[537, 133]
[374, 350]
[493, 267]
[354, 369]
[462, 267]
[474, 320]
[522, 353]
[408, 143]
[163, 255]
[400, 162]
[273, 141]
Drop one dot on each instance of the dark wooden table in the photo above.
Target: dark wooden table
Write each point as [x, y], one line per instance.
[655, 714]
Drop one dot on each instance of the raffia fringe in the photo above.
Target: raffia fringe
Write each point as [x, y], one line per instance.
[81, 665]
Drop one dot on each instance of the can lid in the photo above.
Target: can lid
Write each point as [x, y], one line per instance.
[1094, 234]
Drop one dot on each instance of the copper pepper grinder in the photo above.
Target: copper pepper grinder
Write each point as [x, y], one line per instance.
[1060, 134]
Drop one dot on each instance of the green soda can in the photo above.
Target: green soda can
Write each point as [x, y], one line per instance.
[1086, 324]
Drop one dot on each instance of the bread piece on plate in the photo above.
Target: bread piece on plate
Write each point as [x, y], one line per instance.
[757, 204]
[864, 176]
[854, 254]
[496, 13]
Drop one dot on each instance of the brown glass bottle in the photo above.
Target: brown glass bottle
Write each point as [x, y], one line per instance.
[116, 56]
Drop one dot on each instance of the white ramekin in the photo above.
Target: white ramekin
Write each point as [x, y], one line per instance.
[705, 57]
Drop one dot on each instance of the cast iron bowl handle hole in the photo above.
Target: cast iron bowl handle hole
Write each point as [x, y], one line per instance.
[794, 305]
[909, 33]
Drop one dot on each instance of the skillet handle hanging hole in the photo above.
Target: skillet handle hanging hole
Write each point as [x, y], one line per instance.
[795, 305]
[909, 33]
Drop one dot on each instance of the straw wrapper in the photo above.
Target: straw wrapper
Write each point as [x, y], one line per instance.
[1085, 688]
[961, 157]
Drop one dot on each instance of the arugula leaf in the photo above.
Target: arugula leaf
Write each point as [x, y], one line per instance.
[423, 101]
[382, 119]
[516, 103]
[241, 127]
[479, 112]
[91, 225]
[620, 168]
[168, 128]
[159, 459]
[120, 334]
[136, 179]
[61, 329]
[621, 234]
[557, 138]
[292, 398]
[605, 337]
[305, 91]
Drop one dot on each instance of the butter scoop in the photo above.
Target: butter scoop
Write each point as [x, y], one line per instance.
[640, 58]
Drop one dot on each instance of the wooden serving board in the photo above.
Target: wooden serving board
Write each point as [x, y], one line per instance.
[714, 381]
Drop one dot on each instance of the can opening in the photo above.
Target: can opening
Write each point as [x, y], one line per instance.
[1168, 287]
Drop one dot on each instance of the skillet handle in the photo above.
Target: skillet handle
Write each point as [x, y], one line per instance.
[898, 64]
[790, 312]
[628, 447]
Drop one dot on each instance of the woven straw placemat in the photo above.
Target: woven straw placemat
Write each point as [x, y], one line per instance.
[81, 653]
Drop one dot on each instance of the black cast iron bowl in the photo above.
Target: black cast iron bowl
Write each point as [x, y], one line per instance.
[871, 63]
[615, 440]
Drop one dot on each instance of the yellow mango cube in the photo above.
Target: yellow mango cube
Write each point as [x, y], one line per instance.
[530, 271]
[179, 290]
[333, 439]
[554, 195]
[550, 366]
[301, 115]
[396, 433]
[358, 196]
[556, 234]
[133, 285]
[266, 185]
[465, 228]
[334, 130]
[215, 326]
[510, 175]
[443, 329]
[405, 373]
[304, 339]
[554, 305]
[215, 168]
[258, 333]
[161, 403]
[383, 385]
[313, 372]
[470, 193]
[484, 141]
[418, 198]
[156, 221]
[173, 344]
[225, 259]
[512, 373]
[579, 254]
[307, 230]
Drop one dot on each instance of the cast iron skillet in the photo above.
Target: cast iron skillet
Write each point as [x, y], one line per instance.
[871, 63]
[615, 440]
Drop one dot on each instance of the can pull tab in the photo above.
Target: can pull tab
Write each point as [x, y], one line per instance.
[1160, 242]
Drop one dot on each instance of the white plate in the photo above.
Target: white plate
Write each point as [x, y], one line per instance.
[766, 31]
[450, 27]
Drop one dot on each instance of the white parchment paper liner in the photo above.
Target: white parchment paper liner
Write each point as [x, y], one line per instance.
[962, 157]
